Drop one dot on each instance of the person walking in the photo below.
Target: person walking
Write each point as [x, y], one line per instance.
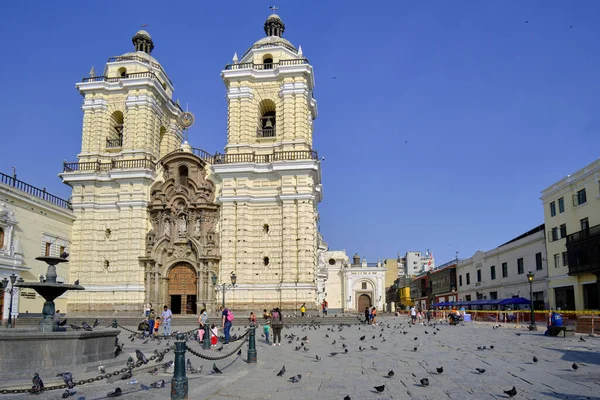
[276, 325]
[226, 322]
[367, 315]
[324, 306]
[267, 330]
[428, 314]
[151, 317]
[303, 310]
[266, 315]
[147, 308]
[252, 318]
[413, 315]
[374, 316]
[166, 320]
[202, 324]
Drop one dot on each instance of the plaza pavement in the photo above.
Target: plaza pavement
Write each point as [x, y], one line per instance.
[356, 373]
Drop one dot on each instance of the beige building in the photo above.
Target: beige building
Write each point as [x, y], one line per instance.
[33, 223]
[158, 221]
[501, 273]
[572, 218]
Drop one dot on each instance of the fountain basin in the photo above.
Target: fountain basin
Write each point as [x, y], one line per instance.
[23, 351]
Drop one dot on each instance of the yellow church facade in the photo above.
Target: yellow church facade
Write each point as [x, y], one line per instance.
[161, 222]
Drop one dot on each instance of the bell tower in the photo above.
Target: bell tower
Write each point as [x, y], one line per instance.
[269, 177]
[129, 122]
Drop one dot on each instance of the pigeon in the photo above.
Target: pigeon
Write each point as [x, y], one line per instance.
[317, 357]
[239, 353]
[295, 378]
[220, 348]
[415, 349]
[68, 393]
[130, 362]
[101, 369]
[96, 323]
[115, 393]
[77, 283]
[535, 359]
[158, 384]
[141, 357]
[492, 347]
[440, 370]
[575, 366]
[215, 369]
[86, 326]
[480, 370]
[373, 348]
[347, 397]
[379, 388]
[518, 334]
[153, 371]
[68, 378]
[333, 354]
[346, 351]
[424, 382]
[127, 375]
[280, 373]
[189, 365]
[362, 338]
[415, 338]
[118, 350]
[64, 254]
[38, 384]
[63, 322]
[391, 373]
[512, 392]
[75, 327]
[167, 365]
[581, 339]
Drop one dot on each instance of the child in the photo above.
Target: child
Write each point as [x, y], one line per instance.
[252, 318]
[200, 335]
[156, 326]
[267, 330]
[215, 335]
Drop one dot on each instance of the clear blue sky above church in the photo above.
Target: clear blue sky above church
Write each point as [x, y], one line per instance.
[440, 121]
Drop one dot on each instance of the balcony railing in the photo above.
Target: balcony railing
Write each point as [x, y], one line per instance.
[118, 78]
[141, 59]
[265, 132]
[112, 143]
[583, 234]
[94, 166]
[34, 191]
[248, 65]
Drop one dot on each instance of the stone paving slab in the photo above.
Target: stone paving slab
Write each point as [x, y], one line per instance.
[356, 373]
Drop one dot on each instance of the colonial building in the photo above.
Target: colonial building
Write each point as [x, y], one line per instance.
[572, 218]
[434, 286]
[159, 221]
[502, 272]
[33, 223]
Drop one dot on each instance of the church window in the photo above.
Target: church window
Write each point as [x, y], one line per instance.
[267, 122]
[266, 261]
[331, 261]
[364, 285]
[115, 134]
[1, 238]
[122, 72]
[183, 175]
[268, 62]
[47, 249]
[266, 228]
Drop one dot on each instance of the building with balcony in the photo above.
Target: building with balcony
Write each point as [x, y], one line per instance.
[33, 223]
[502, 272]
[572, 216]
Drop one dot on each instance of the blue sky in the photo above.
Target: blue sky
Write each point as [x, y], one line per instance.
[444, 121]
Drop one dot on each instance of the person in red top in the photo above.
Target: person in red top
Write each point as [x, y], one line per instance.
[324, 306]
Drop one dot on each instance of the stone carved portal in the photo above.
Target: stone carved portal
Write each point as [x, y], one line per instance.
[182, 247]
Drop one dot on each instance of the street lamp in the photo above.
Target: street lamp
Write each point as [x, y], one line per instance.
[13, 279]
[532, 326]
[224, 287]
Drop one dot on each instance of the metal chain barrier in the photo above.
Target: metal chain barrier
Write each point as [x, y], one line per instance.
[197, 354]
[89, 380]
[171, 335]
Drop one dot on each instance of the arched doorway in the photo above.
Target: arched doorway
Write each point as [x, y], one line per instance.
[364, 300]
[182, 289]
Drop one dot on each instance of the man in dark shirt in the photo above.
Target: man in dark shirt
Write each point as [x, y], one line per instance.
[225, 323]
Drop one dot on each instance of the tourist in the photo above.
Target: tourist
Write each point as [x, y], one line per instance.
[303, 310]
[147, 308]
[324, 306]
[367, 315]
[226, 322]
[166, 320]
[555, 320]
[420, 317]
[202, 323]
[156, 326]
[428, 314]
[413, 315]
[215, 335]
[267, 330]
[252, 318]
[150, 318]
[373, 316]
[266, 315]
[277, 325]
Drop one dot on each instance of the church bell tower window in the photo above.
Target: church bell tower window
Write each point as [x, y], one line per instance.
[183, 175]
[115, 134]
[268, 62]
[268, 118]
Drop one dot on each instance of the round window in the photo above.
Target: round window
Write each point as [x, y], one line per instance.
[331, 261]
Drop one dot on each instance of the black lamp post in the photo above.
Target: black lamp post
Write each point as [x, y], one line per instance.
[13, 279]
[224, 287]
[532, 326]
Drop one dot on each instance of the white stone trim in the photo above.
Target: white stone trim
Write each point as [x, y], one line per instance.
[249, 57]
[254, 75]
[239, 92]
[274, 286]
[115, 288]
[34, 201]
[573, 179]
[261, 146]
[260, 168]
[94, 104]
[144, 100]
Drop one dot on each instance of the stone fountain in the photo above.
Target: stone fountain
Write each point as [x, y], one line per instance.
[45, 349]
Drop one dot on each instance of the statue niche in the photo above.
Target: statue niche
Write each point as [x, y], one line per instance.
[183, 212]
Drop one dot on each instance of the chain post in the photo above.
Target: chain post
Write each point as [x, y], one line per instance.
[179, 384]
[114, 323]
[206, 338]
[252, 345]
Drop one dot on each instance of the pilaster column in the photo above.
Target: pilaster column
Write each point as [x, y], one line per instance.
[156, 285]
